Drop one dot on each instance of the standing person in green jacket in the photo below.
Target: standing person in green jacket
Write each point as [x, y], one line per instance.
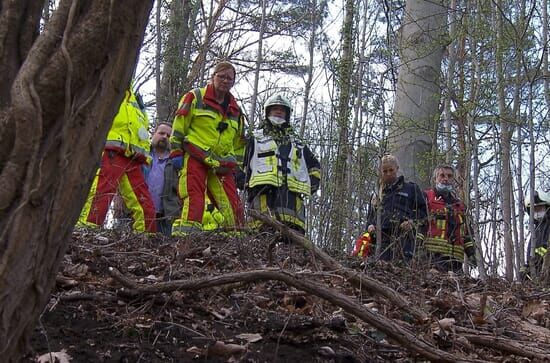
[208, 143]
[125, 153]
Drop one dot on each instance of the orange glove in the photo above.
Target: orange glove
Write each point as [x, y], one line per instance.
[362, 245]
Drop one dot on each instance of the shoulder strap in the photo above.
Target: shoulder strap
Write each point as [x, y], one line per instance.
[198, 97]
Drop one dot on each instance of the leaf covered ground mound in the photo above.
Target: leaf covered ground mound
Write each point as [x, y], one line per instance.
[121, 297]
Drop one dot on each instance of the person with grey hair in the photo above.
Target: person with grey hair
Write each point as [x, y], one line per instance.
[208, 143]
[403, 210]
[448, 233]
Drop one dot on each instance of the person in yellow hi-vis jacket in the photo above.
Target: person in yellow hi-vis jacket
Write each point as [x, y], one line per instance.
[124, 154]
[208, 142]
[280, 169]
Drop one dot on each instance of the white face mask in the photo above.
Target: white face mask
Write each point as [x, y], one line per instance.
[275, 120]
[444, 187]
[539, 214]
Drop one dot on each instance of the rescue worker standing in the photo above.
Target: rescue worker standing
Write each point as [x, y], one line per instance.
[403, 211]
[124, 154]
[208, 142]
[538, 245]
[448, 236]
[280, 170]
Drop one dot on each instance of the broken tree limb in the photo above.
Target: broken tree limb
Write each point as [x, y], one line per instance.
[356, 278]
[509, 346]
[401, 335]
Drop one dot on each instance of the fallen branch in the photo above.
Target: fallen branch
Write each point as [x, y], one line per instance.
[509, 346]
[406, 339]
[87, 297]
[356, 278]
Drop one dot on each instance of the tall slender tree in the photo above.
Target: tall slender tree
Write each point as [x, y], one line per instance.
[505, 143]
[339, 185]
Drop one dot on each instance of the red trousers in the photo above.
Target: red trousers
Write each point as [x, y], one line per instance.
[197, 179]
[118, 172]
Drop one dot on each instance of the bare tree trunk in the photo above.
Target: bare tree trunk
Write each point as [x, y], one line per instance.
[173, 80]
[495, 251]
[18, 30]
[339, 184]
[65, 92]
[546, 81]
[315, 19]
[506, 179]
[473, 140]
[545, 69]
[158, 54]
[518, 232]
[447, 114]
[259, 60]
[416, 111]
[357, 88]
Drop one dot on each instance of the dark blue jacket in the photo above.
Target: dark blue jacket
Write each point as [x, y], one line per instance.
[400, 201]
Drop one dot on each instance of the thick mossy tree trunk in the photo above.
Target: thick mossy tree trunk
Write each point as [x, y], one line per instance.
[423, 39]
[56, 106]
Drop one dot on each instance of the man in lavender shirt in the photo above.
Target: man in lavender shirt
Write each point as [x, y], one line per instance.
[155, 178]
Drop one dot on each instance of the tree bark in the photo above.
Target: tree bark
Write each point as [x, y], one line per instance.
[505, 142]
[474, 88]
[416, 111]
[19, 21]
[66, 90]
[257, 65]
[176, 59]
[339, 185]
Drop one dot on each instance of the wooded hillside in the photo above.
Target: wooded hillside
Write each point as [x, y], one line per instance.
[463, 82]
[125, 297]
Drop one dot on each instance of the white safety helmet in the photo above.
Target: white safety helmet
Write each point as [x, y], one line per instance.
[541, 198]
[278, 100]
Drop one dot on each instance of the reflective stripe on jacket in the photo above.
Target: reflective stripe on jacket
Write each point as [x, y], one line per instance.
[441, 217]
[129, 133]
[204, 123]
[267, 168]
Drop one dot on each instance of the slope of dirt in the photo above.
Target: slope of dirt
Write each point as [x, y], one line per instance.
[95, 318]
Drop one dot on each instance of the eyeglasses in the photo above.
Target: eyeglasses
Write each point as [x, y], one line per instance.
[225, 78]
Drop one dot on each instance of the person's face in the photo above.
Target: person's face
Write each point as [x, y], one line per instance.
[540, 211]
[224, 80]
[389, 172]
[445, 177]
[278, 111]
[161, 137]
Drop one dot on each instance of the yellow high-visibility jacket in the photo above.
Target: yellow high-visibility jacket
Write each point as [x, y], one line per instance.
[266, 168]
[129, 133]
[204, 123]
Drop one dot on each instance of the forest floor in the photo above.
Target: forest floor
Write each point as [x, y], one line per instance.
[121, 297]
